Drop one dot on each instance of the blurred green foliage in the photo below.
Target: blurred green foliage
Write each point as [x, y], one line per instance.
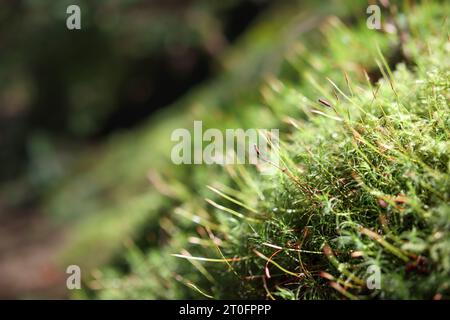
[130, 58]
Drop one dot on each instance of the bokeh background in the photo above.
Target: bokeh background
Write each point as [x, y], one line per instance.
[64, 93]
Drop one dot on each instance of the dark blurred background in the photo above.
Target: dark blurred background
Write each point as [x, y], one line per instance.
[61, 89]
[64, 91]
